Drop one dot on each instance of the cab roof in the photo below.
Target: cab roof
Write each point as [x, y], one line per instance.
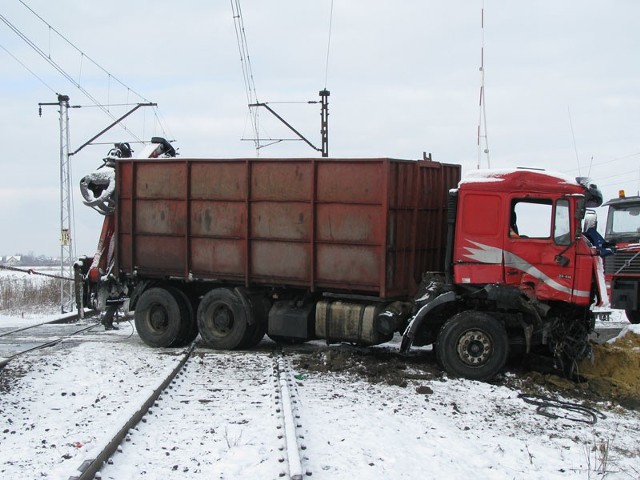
[524, 179]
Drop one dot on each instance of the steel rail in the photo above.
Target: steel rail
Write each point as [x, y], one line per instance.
[65, 319]
[95, 459]
[286, 408]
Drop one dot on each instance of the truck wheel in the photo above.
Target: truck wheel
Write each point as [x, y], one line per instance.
[188, 325]
[260, 306]
[158, 317]
[222, 319]
[473, 345]
[633, 316]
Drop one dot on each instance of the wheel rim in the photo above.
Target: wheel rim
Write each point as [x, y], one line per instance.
[158, 319]
[474, 348]
[220, 320]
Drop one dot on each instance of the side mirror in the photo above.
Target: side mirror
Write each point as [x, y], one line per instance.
[562, 260]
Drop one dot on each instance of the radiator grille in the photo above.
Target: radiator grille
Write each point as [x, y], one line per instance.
[627, 263]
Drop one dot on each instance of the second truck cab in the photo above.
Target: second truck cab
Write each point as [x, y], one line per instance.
[623, 268]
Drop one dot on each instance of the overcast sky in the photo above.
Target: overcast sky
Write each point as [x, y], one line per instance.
[562, 88]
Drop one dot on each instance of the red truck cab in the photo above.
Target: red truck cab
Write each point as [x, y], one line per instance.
[521, 228]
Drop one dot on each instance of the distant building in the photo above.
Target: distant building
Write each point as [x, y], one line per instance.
[13, 260]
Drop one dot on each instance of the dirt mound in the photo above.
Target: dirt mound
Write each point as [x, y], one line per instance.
[376, 365]
[614, 371]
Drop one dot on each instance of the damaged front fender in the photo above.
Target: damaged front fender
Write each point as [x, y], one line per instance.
[416, 322]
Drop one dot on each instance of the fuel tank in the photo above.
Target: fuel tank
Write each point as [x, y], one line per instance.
[339, 321]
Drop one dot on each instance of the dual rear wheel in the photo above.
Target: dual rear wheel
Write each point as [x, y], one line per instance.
[164, 318]
[226, 319]
[230, 319]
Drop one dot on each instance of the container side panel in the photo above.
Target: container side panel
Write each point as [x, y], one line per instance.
[281, 181]
[160, 253]
[401, 179]
[161, 179]
[217, 257]
[124, 261]
[124, 217]
[161, 217]
[218, 219]
[348, 266]
[281, 220]
[435, 184]
[281, 260]
[350, 182]
[124, 179]
[401, 230]
[349, 223]
[219, 180]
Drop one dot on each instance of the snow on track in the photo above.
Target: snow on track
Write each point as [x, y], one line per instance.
[219, 421]
[215, 421]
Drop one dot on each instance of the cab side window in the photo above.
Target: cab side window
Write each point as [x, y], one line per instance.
[531, 218]
[562, 223]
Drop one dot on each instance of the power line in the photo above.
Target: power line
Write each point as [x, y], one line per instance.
[326, 67]
[82, 54]
[247, 72]
[29, 70]
[60, 70]
[606, 162]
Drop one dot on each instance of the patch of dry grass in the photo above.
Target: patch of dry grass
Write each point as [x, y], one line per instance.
[28, 294]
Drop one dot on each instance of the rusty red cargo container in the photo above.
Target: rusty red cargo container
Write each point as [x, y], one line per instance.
[369, 226]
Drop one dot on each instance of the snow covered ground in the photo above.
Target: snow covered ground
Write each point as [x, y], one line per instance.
[218, 419]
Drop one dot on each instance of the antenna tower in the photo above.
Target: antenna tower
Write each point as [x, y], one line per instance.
[482, 121]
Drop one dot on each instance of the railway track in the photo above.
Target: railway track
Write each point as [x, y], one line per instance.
[13, 349]
[144, 438]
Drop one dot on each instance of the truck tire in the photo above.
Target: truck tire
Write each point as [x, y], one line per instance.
[222, 319]
[158, 317]
[188, 325]
[472, 345]
[260, 306]
[633, 316]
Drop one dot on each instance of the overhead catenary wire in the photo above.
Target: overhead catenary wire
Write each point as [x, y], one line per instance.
[61, 70]
[606, 162]
[29, 70]
[82, 53]
[326, 67]
[111, 79]
[247, 71]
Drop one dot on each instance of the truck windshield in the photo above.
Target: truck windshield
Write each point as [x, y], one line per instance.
[623, 222]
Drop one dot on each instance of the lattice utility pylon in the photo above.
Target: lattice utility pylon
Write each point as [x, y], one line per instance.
[66, 245]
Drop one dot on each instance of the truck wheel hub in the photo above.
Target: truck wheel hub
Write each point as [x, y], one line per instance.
[222, 320]
[158, 318]
[474, 348]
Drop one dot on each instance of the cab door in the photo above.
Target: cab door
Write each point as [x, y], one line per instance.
[540, 250]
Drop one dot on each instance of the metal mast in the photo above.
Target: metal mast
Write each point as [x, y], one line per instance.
[324, 125]
[482, 121]
[66, 247]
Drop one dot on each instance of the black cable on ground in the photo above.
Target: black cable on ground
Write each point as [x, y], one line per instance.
[545, 404]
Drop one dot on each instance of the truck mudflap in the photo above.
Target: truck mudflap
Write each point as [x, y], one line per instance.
[415, 322]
